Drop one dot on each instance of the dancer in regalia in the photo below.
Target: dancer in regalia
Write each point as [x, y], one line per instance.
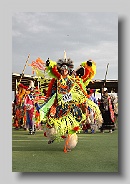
[66, 106]
[18, 108]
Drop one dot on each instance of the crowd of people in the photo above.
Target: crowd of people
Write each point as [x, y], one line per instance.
[68, 106]
[108, 105]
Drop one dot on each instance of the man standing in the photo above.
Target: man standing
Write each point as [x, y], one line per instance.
[107, 111]
[29, 106]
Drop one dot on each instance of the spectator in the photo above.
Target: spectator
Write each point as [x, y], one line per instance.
[29, 105]
[107, 111]
[91, 112]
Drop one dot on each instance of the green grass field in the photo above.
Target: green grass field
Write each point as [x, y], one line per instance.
[94, 153]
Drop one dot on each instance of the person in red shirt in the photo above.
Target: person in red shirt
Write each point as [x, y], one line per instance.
[29, 106]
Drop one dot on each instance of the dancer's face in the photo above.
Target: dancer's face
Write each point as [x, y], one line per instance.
[65, 72]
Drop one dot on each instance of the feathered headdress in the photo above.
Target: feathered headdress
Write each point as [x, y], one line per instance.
[65, 64]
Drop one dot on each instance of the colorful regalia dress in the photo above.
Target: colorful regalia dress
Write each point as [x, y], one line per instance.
[19, 111]
[66, 106]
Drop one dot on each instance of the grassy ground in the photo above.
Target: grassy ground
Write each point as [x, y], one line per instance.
[93, 153]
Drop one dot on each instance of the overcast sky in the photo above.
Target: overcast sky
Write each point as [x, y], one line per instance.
[81, 35]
